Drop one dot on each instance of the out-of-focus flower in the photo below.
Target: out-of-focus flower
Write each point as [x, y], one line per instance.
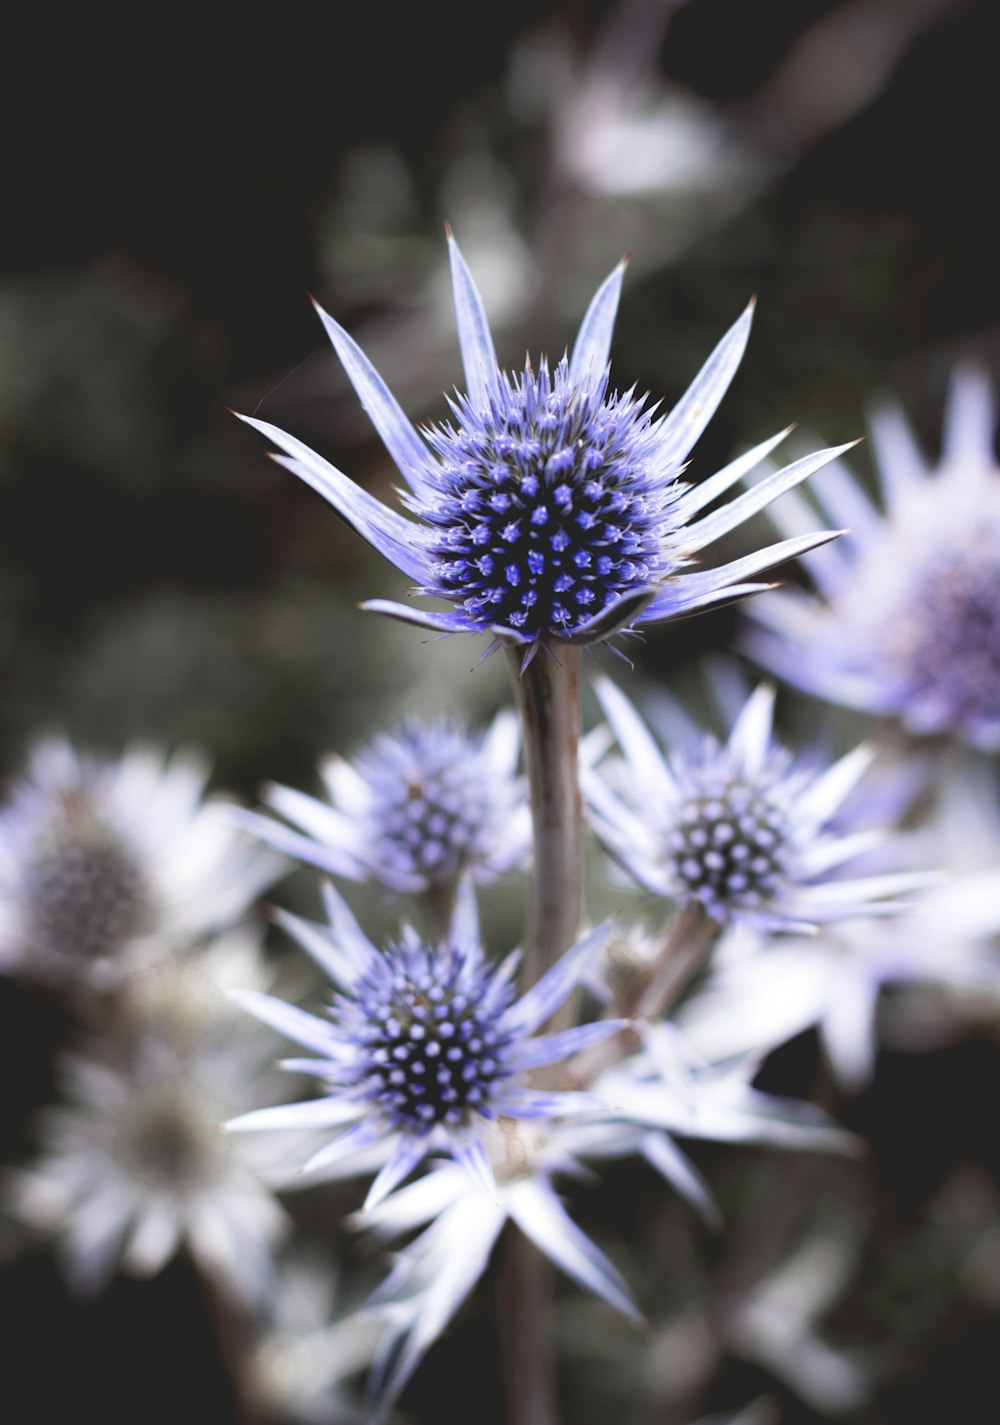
[418, 808]
[552, 509]
[433, 1275]
[741, 829]
[908, 618]
[133, 1165]
[423, 1044]
[312, 1343]
[106, 866]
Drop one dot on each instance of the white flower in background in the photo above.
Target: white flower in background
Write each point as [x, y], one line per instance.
[106, 866]
[133, 1167]
[740, 828]
[417, 808]
[907, 618]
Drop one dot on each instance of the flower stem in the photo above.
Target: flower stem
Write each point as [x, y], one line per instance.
[548, 698]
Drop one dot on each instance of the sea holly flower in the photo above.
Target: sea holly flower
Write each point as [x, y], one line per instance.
[435, 1272]
[907, 618]
[108, 865]
[423, 1044]
[133, 1168]
[417, 808]
[740, 828]
[550, 509]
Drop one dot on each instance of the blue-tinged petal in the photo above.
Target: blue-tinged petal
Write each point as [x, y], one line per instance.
[901, 465]
[478, 356]
[311, 1113]
[750, 738]
[548, 993]
[593, 343]
[398, 539]
[737, 570]
[721, 521]
[635, 741]
[317, 943]
[423, 618]
[534, 1103]
[969, 419]
[550, 1048]
[540, 1216]
[406, 1157]
[386, 415]
[362, 1135]
[675, 602]
[318, 818]
[293, 1023]
[830, 790]
[464, 927]
[350, 936]
[663, 1154]
[615, 616]
[702, 494]
[692, 413]
[328, 858]
[472, 1158]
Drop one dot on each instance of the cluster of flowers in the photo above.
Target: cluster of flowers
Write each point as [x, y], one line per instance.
[551, 513]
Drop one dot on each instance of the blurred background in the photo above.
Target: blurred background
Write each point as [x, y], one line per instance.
[175, 187]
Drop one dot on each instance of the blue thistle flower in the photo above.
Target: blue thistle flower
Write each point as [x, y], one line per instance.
[550, 510]
[423, 1045]
[417, 808]
[739, 828]
[908, 619]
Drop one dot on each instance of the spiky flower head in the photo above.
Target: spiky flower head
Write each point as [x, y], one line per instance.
[740, 828]
[423, 1044]
[133, 1167]
[907, 622]
[417, 808]
[550, 508]
[107, 865]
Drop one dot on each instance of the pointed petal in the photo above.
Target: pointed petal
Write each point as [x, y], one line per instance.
[384, 411]
[318, 818]
[708, 490]
[406, 1157]
[534, 1103]
[692, 413]
[550, 1048]
[662, 1153]
[301, 848]
[593, 343]
[634, 739]
[540, 1216]
[464, 927]
[969, 419]
[901, 465]
[674, 605]
[398, 539]
[310, 1113]
[548, 993]
[286, 1019]
[474, 337]
[472, 1158]
[349, 935]
[751, 735]
[317, 943]
[613, 617]
[721, 521]
[724, 575]
[828, 792]
[436, 622]
[360, 1136]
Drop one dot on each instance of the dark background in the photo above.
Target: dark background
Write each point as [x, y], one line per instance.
[175, 185]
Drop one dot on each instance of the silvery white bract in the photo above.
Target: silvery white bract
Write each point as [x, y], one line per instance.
[106, 866]
[434, 1273]
[740, 828]
[551, 509]
[422, 1045]
[417, 808]
[907, 621]
[133, 1167]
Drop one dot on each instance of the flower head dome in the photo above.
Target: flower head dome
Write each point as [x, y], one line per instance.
[908, 619]
[550, 509]
[106, 865]
[417, 808]
[423, 1044]
[738, 828]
